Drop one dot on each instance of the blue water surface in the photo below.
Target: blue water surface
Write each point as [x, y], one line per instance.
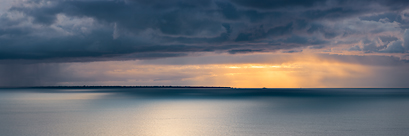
[213, 112]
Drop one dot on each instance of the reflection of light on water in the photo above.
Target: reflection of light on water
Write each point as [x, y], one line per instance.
[183, 118]
[174, 119]
[163, 117]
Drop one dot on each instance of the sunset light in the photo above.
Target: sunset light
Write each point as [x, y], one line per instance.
[204, 67]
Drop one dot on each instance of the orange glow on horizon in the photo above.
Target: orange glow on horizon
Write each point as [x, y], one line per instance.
[306, 70]
[294, 75]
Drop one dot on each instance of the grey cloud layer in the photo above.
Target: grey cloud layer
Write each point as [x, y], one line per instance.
[141, 29]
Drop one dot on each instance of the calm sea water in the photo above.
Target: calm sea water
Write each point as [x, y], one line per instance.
[315, 112]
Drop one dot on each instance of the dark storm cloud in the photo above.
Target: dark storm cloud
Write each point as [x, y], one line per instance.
[143, 29]
[394, 47]
[355, 48]
[387, 39]
[243, 51]
[268, 4]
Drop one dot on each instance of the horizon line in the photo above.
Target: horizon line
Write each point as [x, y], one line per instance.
[170, 86]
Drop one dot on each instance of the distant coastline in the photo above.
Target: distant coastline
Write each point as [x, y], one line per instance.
[102, 87]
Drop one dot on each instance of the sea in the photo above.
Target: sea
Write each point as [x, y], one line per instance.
[204, 111]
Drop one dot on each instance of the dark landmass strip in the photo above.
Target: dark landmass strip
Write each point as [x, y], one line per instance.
[108, 87]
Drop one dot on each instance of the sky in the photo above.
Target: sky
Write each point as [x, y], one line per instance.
[236, 43]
